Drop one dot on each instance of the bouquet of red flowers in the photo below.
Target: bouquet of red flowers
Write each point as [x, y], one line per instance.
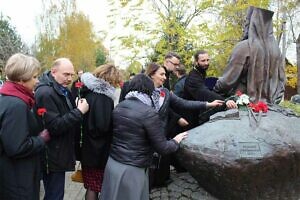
[259, 107]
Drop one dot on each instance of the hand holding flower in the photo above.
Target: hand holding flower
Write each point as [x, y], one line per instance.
[83, 105]
[45, 135]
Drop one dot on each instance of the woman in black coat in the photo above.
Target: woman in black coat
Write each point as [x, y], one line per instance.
[164, 100]
[137, 132]
[20, 138]
[99, 89]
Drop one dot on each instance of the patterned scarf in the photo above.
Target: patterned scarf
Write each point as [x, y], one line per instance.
[144, 98]
[158, 97]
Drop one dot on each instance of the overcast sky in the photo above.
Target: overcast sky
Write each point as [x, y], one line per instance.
[24, 13]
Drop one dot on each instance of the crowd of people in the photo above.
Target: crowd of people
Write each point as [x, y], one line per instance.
[124, 150]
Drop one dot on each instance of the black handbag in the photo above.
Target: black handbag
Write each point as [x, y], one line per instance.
[155, 161]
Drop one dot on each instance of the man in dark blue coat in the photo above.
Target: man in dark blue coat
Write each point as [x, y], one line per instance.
[62, 119]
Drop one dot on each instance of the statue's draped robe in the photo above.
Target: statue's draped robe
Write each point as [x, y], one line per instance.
[255, 66]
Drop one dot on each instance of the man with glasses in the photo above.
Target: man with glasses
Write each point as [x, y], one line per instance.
[172, 60]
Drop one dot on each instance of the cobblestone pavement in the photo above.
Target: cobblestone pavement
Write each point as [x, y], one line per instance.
[183, 187]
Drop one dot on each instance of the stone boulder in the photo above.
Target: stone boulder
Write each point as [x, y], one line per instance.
[245, 155]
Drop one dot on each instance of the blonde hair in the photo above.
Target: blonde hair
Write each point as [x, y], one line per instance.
[20, 67]
[109, 73]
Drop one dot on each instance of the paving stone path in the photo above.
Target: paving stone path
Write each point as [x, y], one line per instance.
[183, 187]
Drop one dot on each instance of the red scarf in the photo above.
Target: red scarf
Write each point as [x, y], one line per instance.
[17, 90]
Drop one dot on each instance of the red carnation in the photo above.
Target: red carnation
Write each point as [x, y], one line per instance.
[78, 84]
[260, 106]
[41, 111]
[162, 94]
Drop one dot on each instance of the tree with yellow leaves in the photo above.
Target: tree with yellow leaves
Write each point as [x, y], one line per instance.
[74, 38]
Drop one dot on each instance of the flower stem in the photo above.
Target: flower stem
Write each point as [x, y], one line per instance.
[47, 161]
[80, 143]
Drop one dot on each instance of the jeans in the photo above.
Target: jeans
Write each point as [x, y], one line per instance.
[54, 184]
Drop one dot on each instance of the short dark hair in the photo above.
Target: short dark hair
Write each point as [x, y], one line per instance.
[181, 70]
[171, 55]
[196, 55]
[141, 83]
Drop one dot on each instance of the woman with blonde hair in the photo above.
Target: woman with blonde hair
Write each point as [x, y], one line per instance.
[99, 88]
[20, 138]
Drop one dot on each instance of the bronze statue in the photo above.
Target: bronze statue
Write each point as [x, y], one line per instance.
[255, 66]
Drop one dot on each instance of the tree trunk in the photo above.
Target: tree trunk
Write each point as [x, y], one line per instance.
[298, 63]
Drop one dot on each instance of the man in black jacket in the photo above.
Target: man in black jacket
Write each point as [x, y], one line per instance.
[172, 60]
[195, 89]
[62, 119]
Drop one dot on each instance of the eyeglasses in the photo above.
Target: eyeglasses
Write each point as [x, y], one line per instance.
[175, 64]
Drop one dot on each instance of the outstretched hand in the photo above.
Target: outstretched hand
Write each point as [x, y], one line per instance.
[230, 104]
[178, 138]
[215, 103]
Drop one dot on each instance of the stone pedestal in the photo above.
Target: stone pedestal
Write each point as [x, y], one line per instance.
[246, 156]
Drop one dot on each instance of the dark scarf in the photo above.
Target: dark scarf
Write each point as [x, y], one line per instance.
[14, 89]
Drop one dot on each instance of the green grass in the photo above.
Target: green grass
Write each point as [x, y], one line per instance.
[292, 106]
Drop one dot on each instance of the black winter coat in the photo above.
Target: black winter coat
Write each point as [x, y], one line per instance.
[137, 132]
[195, 89]
[62, 120]
[172, 102]
[20, 149]
[97, 122]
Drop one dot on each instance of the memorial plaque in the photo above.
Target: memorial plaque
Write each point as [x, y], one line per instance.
[249, 150]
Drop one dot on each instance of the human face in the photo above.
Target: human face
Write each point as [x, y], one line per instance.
[64, 73]
[31, 83]
[79, 73]
[159, 77]
[203, 61]
[172, 63]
